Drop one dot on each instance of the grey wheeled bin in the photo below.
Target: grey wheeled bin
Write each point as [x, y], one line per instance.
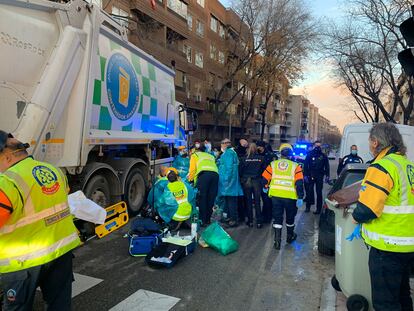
[351, 261]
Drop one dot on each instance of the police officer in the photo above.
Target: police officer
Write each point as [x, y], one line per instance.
[315, 168]
[263, 150]
[285, 187]
[37, 233]
[350, 158]
[204, 173]
[386, 211]
[251, 168]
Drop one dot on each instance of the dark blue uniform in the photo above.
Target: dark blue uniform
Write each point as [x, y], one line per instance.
[350, 158]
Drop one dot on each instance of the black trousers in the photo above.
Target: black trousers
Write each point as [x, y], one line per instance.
[231, 207]
[54, 278]
[390, 280]
[207, 186]
[280, 206]
[267, 208]
[310, 194]
[252, 189]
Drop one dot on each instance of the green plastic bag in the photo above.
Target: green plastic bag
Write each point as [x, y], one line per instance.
[220, 240]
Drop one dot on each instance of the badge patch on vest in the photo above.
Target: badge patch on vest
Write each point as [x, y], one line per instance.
[283, 165]
[410, 174]
[11, 295]
[46, 179]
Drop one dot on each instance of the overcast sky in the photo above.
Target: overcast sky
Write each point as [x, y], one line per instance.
[317, 84]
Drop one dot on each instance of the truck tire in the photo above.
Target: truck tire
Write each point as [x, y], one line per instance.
[97, 189]
[323, 248]
[135, 191]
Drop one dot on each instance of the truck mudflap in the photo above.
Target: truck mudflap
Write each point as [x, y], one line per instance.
[116, 217]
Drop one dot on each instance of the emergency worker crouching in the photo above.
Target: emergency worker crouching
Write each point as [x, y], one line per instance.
[177, 202]
[37, 234]
[284, 184]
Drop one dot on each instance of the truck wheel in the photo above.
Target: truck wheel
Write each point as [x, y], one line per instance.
[323, 248]
[97, 189]
[357, 303]
[335, 284]
[135, 190]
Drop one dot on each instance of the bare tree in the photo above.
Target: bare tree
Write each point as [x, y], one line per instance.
[280, 34]
[364, 50]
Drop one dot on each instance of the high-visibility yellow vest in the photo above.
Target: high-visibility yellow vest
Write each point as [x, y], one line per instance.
[393, 231]
[282, 184]
[180, 192]
[40, 228]
[205, 162]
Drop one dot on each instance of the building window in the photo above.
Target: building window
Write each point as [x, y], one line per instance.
[213, 51]
[178, 6]
[201, 2]
[199, 59]
[222, 33]
[119, 12]
[200, 29]
[211, 79]
[221, 57]
[213, 23]
[187, 51]
[190, 22]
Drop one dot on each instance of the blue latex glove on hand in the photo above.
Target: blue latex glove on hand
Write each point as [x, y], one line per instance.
[299, 203]
[306, 179]
[265, 190]
[327, 179]
[355, 234]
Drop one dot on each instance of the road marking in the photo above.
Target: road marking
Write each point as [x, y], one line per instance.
[146, 300]
[83, 283]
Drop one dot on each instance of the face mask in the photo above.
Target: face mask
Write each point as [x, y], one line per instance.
[197, 145]
[208, 146]
[354, 152]
[216, 154]
[317, 149]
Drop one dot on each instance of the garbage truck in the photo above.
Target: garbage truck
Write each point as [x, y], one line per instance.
[86, 99]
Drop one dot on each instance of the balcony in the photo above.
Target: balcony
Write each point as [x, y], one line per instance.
[288, 110]
[288, 123]
[174, 48]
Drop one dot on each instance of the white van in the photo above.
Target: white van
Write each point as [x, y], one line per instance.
[357, 134]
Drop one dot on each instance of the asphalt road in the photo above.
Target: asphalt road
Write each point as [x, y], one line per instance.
[256, 277]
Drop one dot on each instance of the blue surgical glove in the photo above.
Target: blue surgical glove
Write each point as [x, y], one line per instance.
[299, 203]
[265, 190]
[355, 234]
[327, 179]
[306, 179]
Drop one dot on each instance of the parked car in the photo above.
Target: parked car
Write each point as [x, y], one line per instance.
[351, 174]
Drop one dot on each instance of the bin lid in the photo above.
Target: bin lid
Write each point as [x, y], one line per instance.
[346, 196]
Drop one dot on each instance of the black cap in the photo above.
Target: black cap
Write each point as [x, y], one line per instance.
[4, 136]
[3, 139]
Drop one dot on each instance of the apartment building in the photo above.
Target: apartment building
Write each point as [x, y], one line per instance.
[313, 122]
[323, 127]
[298, 112]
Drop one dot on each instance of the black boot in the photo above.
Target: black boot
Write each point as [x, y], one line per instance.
[291, 235]
[278, 238]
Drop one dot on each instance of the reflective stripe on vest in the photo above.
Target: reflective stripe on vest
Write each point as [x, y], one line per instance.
[393, 230]
[42, 252]
[282, 184]
[40, 228]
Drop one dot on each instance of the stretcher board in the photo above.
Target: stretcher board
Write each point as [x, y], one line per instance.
[116, 217]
